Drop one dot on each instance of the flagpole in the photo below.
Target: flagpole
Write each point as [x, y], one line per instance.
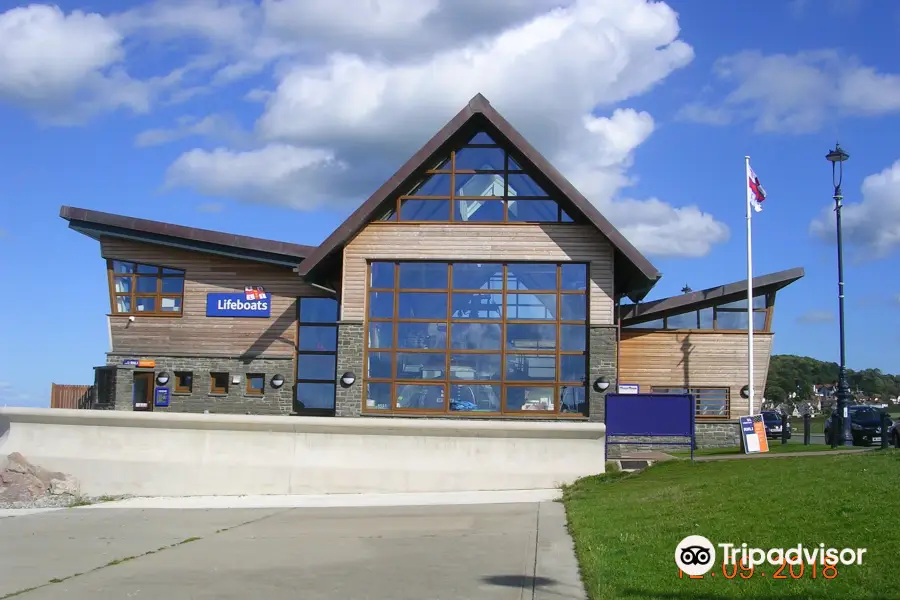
[749, 287]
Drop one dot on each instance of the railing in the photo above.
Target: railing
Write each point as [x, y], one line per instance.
[71, 396]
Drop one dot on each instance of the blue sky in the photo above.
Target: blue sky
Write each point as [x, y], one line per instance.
[276, 119]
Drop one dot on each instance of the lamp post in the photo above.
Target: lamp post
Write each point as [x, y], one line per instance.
[837, 157]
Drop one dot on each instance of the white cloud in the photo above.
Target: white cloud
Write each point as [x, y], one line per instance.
[840, 8]
[697, 112]
[10, 395]
[816, 316]
[212, 126]
[65, 67]
[276, 174]
[363, 87]
[548, 75]
[211, 207]
[873, 224]
[795, 93]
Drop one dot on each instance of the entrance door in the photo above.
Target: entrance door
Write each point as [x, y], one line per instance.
[143, 391]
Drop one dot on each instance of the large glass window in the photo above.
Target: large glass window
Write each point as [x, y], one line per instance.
[711, 402]
[731, 316]
[502, 338]
[477, 183]
[316, 356]
[139, 289]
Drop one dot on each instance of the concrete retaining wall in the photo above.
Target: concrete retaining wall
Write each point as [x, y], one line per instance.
[156, 454]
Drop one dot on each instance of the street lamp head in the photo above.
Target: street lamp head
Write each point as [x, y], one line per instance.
[837, 157]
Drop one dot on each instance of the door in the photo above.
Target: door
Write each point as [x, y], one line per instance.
[143, 391]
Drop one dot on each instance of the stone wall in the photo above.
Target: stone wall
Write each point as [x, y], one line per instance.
[237, 401]
[723, 434]
[351, 337]
[602, 361]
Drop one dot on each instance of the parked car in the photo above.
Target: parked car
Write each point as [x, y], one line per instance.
[894, 434]
[865, 425]
[772, 421]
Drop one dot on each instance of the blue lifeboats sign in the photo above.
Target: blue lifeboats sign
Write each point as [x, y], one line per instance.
[237, 305]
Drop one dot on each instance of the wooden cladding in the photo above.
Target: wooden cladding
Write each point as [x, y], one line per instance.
[70, 396]
[461, 242]
[194, 332]
[695, 360]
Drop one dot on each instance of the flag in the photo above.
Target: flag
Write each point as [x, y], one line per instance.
[757, 192]
[254, 292]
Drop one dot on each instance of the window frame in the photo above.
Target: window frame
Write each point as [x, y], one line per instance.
[298, 353]
[251, 391]
[558, 384]
[177, 388]
[218, 391]
[511, 159]
[768, 310]
[134, 295]
[654, 389]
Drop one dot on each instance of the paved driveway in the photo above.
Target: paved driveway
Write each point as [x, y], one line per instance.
[498, 551]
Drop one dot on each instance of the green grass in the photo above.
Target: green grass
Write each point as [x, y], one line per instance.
[626, 526]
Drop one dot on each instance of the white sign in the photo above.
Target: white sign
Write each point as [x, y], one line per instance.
[629, 388]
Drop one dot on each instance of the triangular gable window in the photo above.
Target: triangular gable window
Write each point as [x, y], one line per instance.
[478, 183]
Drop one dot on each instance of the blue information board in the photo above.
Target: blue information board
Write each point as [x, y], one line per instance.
[650, 415]
[237, 305]
[161, 397]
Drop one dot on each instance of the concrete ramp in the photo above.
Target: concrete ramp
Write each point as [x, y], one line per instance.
[168, 454]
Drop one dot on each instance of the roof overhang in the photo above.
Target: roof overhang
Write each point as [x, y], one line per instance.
[634, 274]
[765, 284]
[97, 224]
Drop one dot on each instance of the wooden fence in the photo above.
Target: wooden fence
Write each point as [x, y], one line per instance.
[71, 396]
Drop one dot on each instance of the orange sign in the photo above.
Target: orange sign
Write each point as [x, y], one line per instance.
[146, 364]
[761, 435]
[753, 431]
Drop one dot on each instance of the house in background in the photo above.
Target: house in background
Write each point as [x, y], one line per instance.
[476, 282]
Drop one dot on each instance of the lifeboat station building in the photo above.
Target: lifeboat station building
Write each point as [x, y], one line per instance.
[475, 283]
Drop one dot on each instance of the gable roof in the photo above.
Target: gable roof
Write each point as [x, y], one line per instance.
[97, 224]
[634, 274]
[722, 294]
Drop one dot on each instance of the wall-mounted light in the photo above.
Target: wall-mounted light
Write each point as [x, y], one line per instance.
[162, 378]
[745, 392]
[601, 384]
[348, 379]
[277, 381]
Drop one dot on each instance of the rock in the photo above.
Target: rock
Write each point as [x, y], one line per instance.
[18, 464]
[25, 485]
[69, 486]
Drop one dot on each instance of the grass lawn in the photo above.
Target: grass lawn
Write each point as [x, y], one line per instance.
[775, 447]
[626, 526]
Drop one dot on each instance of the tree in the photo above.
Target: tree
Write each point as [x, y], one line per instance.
[775, 394]
[800, 373]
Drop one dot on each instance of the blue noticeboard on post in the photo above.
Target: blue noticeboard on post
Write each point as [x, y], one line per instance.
[161, 397]
[650, 415]
[237, 305]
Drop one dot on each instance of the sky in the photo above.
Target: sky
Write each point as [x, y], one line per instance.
[277, 118]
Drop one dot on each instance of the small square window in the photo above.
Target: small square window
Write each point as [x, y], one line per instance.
[184, 382]
[218, 383]
[256, 384]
